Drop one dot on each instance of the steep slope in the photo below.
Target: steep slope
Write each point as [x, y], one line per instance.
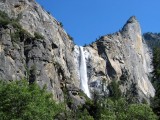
[122, 57]
[47, 60]
[42, 51]
[152, 39]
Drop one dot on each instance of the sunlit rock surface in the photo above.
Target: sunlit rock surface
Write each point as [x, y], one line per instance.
[53, 60]
[123, 56]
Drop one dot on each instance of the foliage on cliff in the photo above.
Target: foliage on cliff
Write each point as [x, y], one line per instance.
[156, 80]
[113, 108]
[121, 110]
[153, 41]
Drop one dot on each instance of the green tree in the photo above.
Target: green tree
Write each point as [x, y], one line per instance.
[140, 112]
[156, 63]
[121, 110]
[156, 80]
[22, 101]
[115, 91]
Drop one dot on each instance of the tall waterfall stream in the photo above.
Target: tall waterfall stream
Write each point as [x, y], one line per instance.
[83, 73]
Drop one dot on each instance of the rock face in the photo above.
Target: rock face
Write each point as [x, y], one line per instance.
[152, 39]
[53, 58]
[48, 60]
[123, 57]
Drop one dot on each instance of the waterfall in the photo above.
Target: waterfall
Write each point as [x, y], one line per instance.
[83, 73]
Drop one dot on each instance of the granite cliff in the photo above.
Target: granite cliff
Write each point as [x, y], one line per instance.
[152, 39]
[46, 54]
[124, 57]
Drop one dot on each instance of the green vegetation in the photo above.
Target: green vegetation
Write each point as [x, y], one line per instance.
[22, 101]
[38, 36]
[19, 32]
[4, 19]
[156, 63]
[153, 41]
[115, 91]
[156, 80]
[75, 115]
[70, 37]
[61, 24]
[116, 107]
[121, 110]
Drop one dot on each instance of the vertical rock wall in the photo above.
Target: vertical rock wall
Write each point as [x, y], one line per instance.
[52, 60]
[124, 57]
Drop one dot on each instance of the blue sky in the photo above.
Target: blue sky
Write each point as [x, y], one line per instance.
[86, 20]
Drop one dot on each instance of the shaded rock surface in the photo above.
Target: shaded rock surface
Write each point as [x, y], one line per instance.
[152, 39]
[53, 59]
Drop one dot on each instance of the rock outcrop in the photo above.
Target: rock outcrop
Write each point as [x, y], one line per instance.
[152, 39]
[124, 57]
[48, 56]
[47, 60]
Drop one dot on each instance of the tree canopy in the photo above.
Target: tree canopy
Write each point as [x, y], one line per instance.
[22, 101]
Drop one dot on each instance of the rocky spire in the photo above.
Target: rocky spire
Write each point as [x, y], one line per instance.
[132, 26]
[132, 19]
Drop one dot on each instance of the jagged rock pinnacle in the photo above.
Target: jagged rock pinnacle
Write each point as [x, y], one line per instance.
[132, 19]
[131, 25]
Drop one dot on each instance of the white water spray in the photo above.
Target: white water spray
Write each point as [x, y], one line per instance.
[83, 73]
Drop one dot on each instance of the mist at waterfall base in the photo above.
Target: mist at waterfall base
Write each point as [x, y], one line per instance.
[83, 73]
